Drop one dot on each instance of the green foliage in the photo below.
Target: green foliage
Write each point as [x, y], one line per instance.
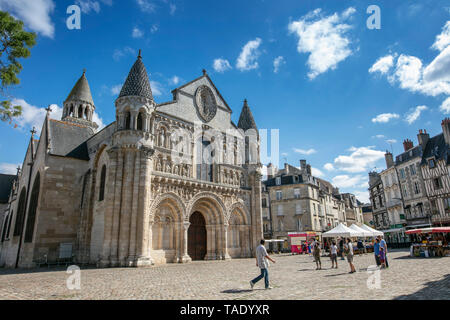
[15, 43]
[7, 111]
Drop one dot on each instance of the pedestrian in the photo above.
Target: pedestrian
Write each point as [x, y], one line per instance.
[341, 248]
[261, 262]
[349, 252]
[333, 255]
[360, 247]
[317, 256]
[376, 251]
[382, 258]
[383, 245]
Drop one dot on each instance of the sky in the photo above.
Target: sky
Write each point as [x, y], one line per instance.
[339, 93]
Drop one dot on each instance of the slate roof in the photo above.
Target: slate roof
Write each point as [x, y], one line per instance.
[137, 83]
[437, 148]
[246, 120]
[69, 139]
[81, 91]
[6, 182]
[408, 155]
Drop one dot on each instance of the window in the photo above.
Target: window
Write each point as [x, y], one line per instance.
[101, 194]
[127, 121]
[402, 173]
[431, 163]
[437, 183]
[416, 188]
[405, 193]
[413, 169]
[447, 205]
[139, 125]
[20, 214]
[278, 181]
[32, 209]
[280, 210]
[264, 203]
[296, 193]
[279, 195]
[298, 208]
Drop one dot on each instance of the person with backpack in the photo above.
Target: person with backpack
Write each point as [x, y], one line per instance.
[317, 255]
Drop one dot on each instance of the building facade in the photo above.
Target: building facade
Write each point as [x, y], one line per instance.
[169, 182]
[377, 199]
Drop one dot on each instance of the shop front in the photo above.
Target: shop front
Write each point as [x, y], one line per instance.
[298, 242]
[430, 242]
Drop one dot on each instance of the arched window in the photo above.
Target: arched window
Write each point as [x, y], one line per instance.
[71, 111]
[32, 209]
[139, 125]
[127, 120]
[86, 114]
[80, 111]
[101, 195]
[18, 226]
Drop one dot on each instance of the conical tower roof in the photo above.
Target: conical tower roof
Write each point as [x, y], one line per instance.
[246, 120]
[81, 91]
[137, 83]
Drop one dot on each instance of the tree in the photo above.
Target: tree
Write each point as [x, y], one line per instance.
[15, 43]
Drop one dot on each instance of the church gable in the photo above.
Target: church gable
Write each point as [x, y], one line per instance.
[199, 101]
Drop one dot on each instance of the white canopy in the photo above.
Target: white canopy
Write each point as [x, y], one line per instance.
[340, 230]
[374, 232]
[362, 232]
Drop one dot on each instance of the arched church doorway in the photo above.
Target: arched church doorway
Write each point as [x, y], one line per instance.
[197, 237]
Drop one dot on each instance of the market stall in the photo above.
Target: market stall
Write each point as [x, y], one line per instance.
[430, 242]
[364, 234]
[373, 231]
[273, 245]
[299, 241]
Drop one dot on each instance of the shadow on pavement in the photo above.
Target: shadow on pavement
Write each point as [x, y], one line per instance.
[433, 290]
[337, 274]
[237, 290]
[8, 271]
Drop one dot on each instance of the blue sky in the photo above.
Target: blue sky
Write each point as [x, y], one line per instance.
[336, 90]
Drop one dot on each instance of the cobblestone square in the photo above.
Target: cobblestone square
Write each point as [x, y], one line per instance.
[292, 278]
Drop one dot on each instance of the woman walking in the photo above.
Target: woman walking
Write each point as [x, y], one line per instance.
[349, 251]
[333, 255]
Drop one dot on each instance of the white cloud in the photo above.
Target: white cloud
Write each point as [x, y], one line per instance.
[346, 181]
[414, 114]
[277, 63]
[324, 37]
[328, 167]
[221, 65]
[33, 116]
[383, 64]
[115, 90]
[361, 159]
[9, 168]
[120, 53]
[305, 152]
[137, 33]
[433, 79]
[96, 118]
[247, 60]
[362, 196]
[317, 173]
[154, 28]
[88, 5]
[175, 80]
[173, 8]
[379, 136]
[392, 141]
[443, 39]
[35, 14]
[146, 5]
[385, 117]
[157, 88]
[445, 106]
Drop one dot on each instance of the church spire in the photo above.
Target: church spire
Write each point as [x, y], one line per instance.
[246, 120]
[137, 83]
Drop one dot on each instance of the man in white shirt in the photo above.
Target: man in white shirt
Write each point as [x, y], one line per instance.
[261, 262]
[349, 251]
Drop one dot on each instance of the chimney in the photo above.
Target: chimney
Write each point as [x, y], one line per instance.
[303, 165]
[373, 176]
[423, 138]
[270, 171]
[389, 159]
[286, 168]
[446, 130]
[308, 169]
[408, 144]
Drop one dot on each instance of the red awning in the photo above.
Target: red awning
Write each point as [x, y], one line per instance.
[429, 230]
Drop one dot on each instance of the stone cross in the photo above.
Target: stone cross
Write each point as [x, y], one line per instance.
[49, 109]
[33, 131]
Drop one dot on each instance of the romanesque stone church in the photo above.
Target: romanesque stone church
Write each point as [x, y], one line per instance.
[139, 191]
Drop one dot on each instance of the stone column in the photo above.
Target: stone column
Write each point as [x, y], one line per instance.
[144, 239]
[109, 208]
[83, 111]
[185, 258]
[116, 211]
[134, 209]
[125, 209]
[210, 242]
[226, 256]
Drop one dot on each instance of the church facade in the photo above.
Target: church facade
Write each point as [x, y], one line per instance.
[165, 183]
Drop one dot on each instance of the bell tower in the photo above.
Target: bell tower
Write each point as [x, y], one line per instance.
[79, 106]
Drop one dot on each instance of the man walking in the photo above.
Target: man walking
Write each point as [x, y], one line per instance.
[376, 251]
[261, 262]
[349, 251]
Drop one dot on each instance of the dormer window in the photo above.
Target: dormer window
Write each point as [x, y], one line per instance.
[278, 181]
[431, 163]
